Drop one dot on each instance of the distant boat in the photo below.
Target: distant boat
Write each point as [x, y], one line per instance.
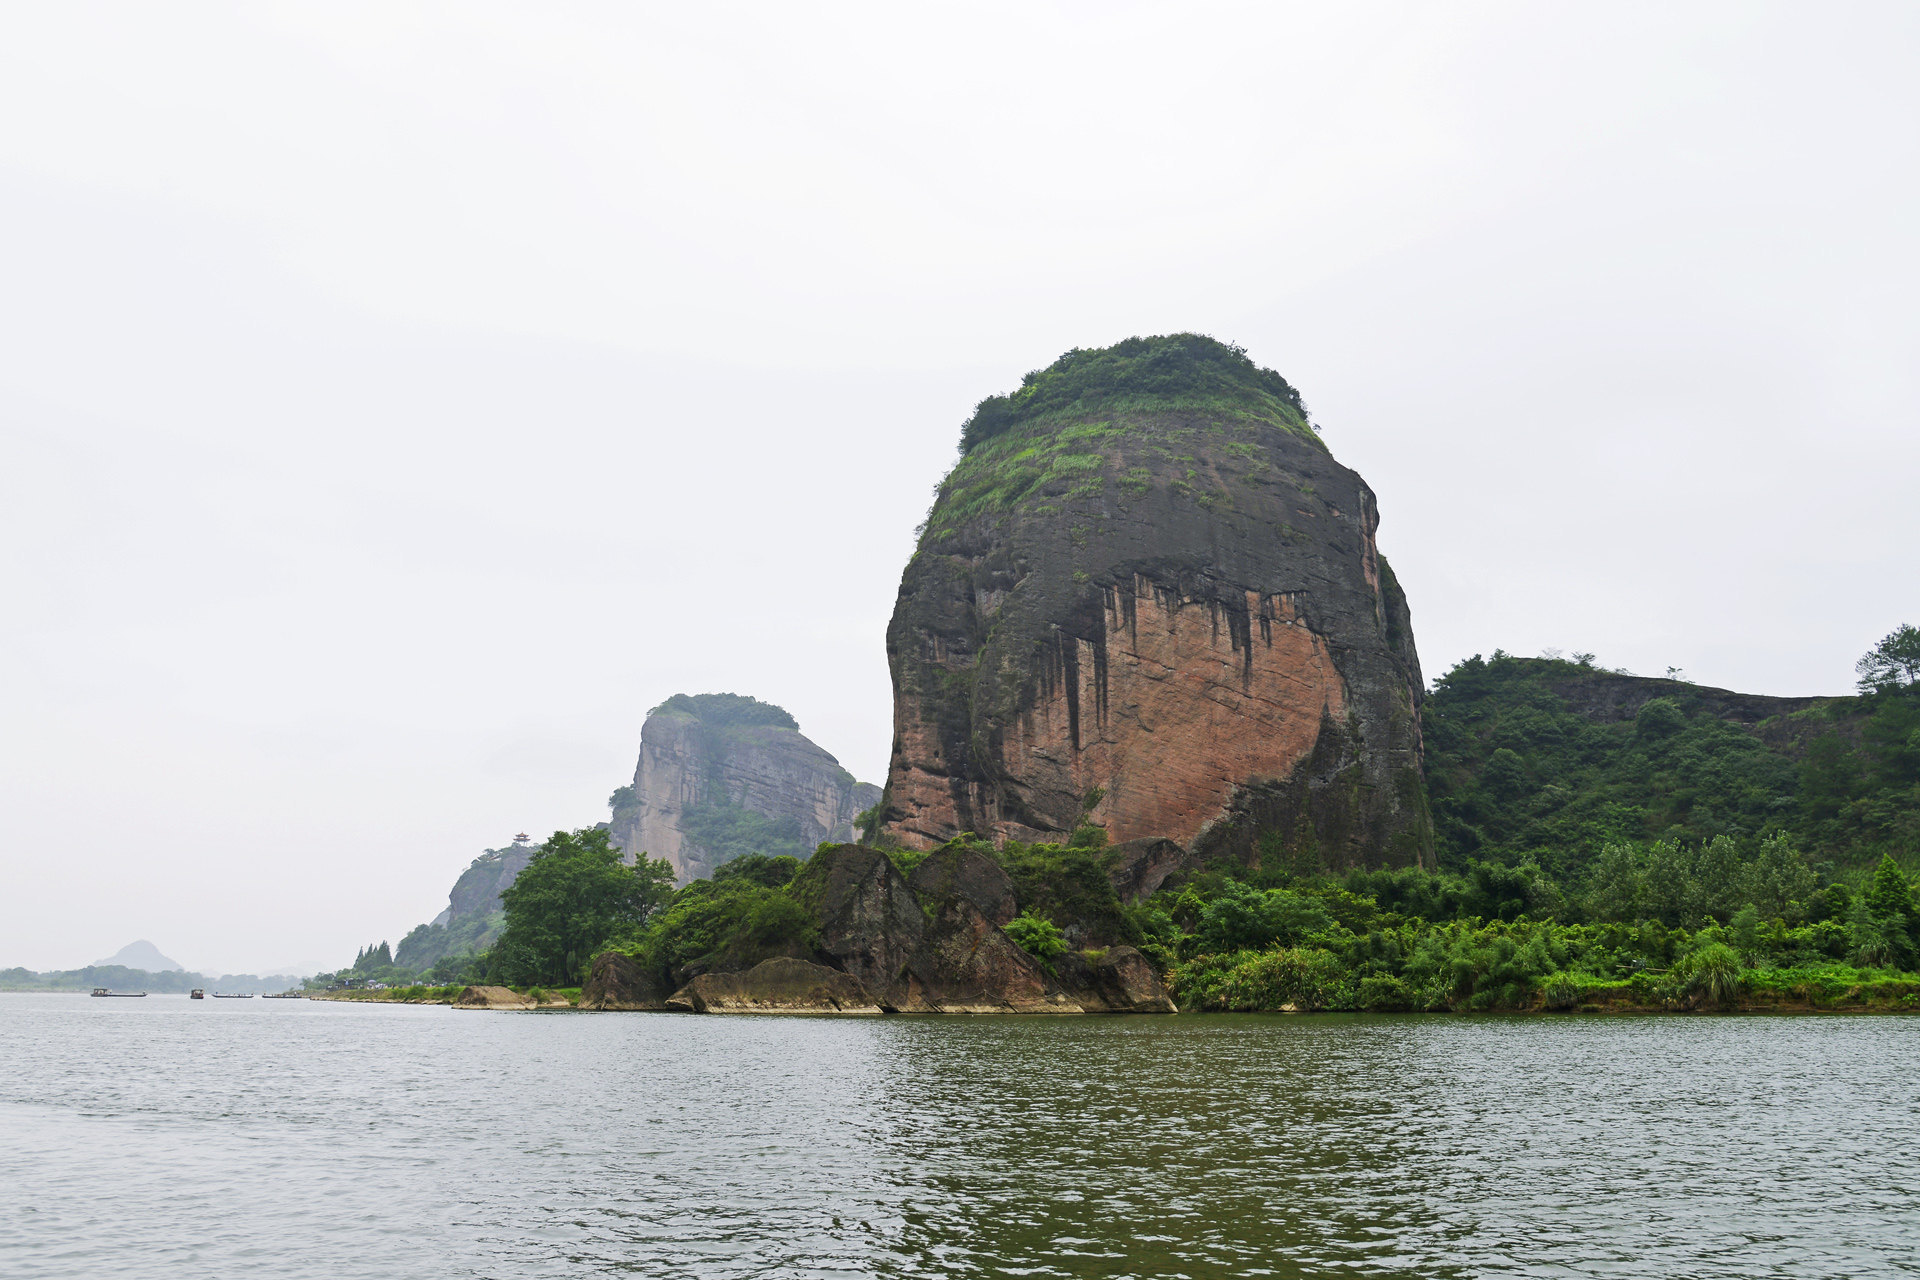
[102, 991]
[233, 995]
[285, 995]
[196, 994]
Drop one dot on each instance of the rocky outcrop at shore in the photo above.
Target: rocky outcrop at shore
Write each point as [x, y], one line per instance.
[1149, 599]
[967, 964]
[888, 944]
[780, 985]
[720, 775]
[870, 924]
[493, 998]
[1118, 980]
[618, 981]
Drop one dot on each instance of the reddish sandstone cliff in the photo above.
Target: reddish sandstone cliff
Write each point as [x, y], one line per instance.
[1148, 597]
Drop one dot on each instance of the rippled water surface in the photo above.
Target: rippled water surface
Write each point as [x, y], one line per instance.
[285, 1139]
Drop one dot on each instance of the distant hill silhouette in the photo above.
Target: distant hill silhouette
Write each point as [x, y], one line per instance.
[142, 955]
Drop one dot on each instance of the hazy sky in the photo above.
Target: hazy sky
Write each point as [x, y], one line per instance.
[398, 400]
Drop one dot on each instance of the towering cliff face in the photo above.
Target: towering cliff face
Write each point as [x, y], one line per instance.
[1148, 598]
[721, 775]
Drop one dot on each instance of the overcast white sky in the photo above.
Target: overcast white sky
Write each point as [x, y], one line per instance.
[398, 400]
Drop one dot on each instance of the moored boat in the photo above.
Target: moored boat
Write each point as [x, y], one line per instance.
[132, 995]
[233, 995]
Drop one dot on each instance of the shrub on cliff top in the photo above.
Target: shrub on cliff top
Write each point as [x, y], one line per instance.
[1179, 366]
[728, 710]
[1068, 885]
[1038, 936]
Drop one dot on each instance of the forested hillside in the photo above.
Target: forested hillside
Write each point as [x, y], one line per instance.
[1549, 760]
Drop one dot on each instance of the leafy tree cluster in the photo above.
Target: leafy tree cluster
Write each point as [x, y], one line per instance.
[373, 958]
[573, 897]
[1860, 778]
[1893, 664]
[1653, 924]
[441, 947]
[733, 921]
[1036, 935]
[1179, 367]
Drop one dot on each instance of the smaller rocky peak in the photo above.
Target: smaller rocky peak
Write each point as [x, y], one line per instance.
[721, 712]
[722, 775]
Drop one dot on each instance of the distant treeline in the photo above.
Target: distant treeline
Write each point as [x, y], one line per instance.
[118, 977]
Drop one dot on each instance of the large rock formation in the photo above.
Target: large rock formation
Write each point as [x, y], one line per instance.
[967, 964]
[1149, 599]
[720, 775]
[927, 946]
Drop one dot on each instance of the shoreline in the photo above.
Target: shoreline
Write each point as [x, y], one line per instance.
[555, 1002]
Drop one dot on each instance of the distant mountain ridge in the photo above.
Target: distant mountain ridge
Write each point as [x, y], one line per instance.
[141, 955]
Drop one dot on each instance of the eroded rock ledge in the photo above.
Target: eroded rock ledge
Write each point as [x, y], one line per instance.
[890, 945]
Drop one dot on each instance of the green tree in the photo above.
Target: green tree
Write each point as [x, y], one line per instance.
[373, 959]
[1659, 718]
[1672, 895]
[1872, 940]
[1615, 890]
[771, 873]
[1709, 976]
[1893, 663]
[1721, 874]
[1744, 929]
[1889, 901]
[1243, 918]
[574, 896]
[1506, 774]
[1779, 879]
[1038, 936]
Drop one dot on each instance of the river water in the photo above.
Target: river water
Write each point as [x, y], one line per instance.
[287, 1139]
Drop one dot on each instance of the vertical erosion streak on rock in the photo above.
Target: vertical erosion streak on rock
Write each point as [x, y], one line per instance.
[1188, 703]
